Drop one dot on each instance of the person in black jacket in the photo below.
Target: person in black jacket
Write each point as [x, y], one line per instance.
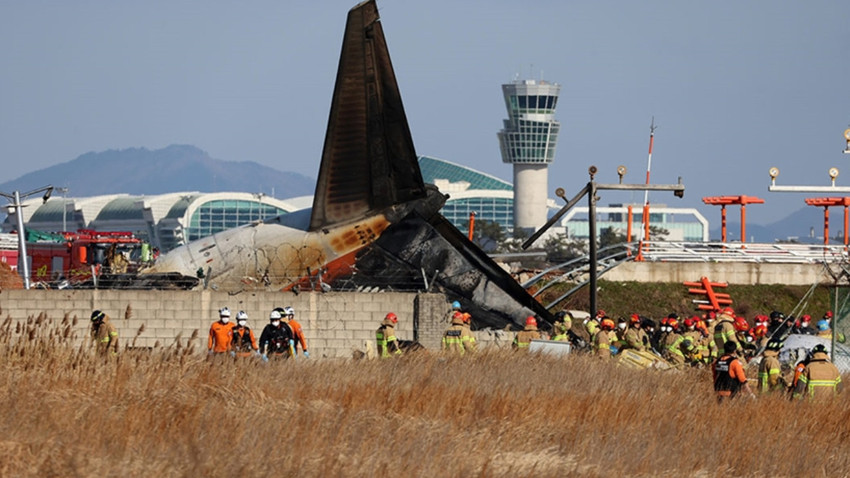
[277, 339]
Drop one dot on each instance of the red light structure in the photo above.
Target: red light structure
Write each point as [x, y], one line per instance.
[724, 201]
[714, 300]
[826, 203]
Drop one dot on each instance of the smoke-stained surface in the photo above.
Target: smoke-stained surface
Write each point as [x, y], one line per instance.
[368, 162]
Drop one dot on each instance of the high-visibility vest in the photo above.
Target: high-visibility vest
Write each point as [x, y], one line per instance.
[384, 340]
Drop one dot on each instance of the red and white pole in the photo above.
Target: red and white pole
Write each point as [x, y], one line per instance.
[645, 218]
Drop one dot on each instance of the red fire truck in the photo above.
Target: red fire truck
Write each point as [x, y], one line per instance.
[76, 256]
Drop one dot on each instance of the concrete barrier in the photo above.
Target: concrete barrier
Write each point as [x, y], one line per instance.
[335, 324]
[744, 273]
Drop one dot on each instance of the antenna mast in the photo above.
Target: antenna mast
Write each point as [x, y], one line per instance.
[645, 218]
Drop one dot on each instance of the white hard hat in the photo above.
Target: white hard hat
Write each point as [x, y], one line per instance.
[224, 312]
[275, 315]
[241, 315]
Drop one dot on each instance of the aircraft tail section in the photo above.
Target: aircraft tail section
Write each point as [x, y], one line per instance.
[368, 161]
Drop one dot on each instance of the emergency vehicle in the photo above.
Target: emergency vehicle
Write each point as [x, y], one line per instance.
[76, 256]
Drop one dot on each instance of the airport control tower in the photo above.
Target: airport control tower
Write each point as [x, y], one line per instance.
[528, 142]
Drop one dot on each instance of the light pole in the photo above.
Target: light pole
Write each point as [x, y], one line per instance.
[15, 197]
[64, 192]
[590, 189]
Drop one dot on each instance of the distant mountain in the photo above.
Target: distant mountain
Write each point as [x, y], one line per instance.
[804, 225]
[175, 168]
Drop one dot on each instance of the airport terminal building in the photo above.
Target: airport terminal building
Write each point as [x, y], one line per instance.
[165, 221]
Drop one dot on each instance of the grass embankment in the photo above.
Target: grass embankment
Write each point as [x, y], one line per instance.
[171, 412]
[656, 300]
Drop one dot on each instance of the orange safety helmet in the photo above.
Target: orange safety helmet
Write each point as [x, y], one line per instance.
[530, 320]
[634, 319]
[607, 324]
[672, 323]
[741, 324]
[467, 317]
[392, 318]
[759, 331]
[728, 311]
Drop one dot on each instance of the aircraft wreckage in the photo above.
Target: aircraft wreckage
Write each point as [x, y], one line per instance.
[374, 221]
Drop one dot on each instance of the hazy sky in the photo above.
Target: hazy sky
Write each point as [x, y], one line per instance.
[735, 87]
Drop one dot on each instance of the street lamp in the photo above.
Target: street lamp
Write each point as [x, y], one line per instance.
[23, 267]
[64, 192]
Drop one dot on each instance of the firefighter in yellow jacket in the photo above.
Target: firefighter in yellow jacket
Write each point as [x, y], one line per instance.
[388, 345]
[724, 329]
[458, 338]
[820, 379]
[604, 338]
[103, 333]
[562, 325]
[524, 337]
[770, 369]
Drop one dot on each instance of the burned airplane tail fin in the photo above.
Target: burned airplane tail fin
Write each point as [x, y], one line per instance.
[368, 160]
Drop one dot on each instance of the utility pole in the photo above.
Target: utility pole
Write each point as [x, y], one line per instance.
[590, 189]
[64, 192]
[15, 197]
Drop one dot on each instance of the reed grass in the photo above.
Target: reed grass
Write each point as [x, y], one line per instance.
[172, 411]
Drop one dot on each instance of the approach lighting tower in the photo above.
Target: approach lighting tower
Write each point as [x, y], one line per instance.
[826, 203]
[528, 141]
[724, 201]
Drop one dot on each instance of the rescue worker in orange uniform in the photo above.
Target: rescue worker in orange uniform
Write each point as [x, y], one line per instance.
[388, 345]
[103, 334]
[604, 338]
[243, 343]
[820, 379]
[221, 333]
[524, 337]
[288, 316]
[728, 373]
[458, 338]
[770, 369]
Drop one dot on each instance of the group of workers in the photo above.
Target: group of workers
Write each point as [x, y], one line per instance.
[721, 340]
[282, 337]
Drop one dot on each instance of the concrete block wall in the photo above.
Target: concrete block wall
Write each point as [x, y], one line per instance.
[730, 272]
[335, 324]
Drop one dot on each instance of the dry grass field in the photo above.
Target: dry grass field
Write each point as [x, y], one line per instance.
[173, 412]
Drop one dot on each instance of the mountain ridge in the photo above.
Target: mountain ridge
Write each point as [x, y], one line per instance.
[174, 168]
